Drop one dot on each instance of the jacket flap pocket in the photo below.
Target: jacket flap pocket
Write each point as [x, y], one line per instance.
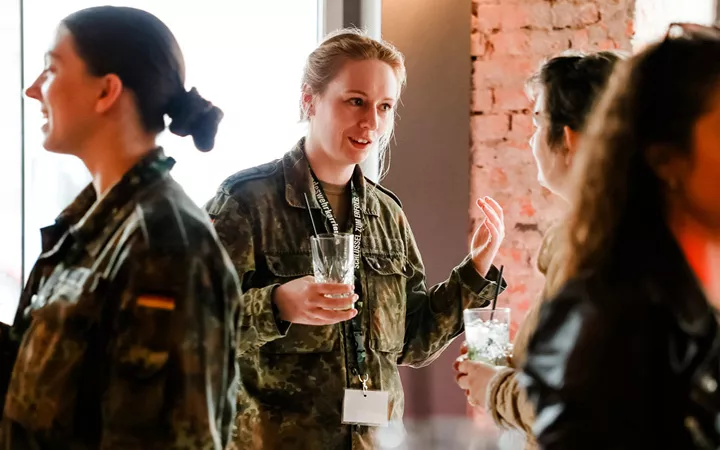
[304, 339]
[290, 265]
[387, 265]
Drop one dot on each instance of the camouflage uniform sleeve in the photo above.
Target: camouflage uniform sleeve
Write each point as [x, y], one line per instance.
[10, 336]
[172, 378]
[434, 316]
[259, 322]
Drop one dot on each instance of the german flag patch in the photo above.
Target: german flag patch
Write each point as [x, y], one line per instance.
[156, 302]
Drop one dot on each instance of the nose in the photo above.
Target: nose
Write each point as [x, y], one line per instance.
[370, 120]
[34, 90]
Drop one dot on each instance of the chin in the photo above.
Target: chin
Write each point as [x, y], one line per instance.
[49, 145]
[360, 158]
[356, 156]
[53, 146]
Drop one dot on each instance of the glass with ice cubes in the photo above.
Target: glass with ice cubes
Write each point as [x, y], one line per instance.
[487, 333]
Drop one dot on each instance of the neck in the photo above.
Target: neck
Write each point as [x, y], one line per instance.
[109, 160]
[701, 246]
[326, 169]
[563, 190]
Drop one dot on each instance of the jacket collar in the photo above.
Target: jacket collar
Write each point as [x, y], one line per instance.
[88, 221]
[298, 181]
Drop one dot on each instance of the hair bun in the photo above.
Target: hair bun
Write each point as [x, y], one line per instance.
[193, 115]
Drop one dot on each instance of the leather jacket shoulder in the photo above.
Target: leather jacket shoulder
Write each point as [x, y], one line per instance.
[625, 364]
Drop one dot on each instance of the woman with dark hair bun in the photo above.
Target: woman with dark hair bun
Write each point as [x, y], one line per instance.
[125, 332]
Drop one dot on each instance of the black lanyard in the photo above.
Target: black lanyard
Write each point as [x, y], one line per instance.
[355, 322]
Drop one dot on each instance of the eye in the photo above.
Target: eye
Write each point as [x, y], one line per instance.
[386, 107]
[355, 101]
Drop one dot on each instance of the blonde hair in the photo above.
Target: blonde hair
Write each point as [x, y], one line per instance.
[350, 44]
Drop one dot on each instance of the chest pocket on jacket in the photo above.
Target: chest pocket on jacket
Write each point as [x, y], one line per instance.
[300, 338]
[44, 384]
[387, 276]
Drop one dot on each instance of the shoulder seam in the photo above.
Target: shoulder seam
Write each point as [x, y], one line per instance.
[385, 190]
[252, 173]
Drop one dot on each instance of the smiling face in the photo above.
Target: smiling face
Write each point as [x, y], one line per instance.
[68, 96]
[354, 113]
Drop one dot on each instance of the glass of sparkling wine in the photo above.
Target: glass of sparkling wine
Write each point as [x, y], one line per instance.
[333, 260]
[487, 333]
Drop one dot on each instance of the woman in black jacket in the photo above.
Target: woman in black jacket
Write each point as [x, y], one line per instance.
[626, 355]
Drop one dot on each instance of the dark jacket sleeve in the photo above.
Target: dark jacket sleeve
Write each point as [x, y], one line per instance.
[595, 374]
[8, 353]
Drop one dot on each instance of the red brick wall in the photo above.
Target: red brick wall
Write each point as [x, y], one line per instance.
[509, 39]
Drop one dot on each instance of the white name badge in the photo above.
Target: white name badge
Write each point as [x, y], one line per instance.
[366, 408]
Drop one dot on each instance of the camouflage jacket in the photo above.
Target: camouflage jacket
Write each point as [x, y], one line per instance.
[125, 333]
[295, 375]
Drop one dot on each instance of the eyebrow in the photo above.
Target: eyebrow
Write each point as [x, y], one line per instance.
[53, 55]
[354, 91]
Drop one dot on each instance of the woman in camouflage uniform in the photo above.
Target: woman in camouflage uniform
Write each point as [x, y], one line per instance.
[301, 350]
[124, 336]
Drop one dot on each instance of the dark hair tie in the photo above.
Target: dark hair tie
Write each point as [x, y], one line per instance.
[192, 115]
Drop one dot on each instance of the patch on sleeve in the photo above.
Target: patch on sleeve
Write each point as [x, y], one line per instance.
[156, 302]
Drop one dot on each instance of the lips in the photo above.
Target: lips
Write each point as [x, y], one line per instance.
[44, 125]
[360, 143]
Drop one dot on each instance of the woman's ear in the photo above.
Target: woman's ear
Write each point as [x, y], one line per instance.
[307, 101]
[571, 139]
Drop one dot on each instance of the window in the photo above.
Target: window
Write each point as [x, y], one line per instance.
[10, 161]
[246, 57]
[652, 17]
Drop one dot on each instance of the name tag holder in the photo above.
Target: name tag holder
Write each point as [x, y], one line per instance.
[366, 407]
